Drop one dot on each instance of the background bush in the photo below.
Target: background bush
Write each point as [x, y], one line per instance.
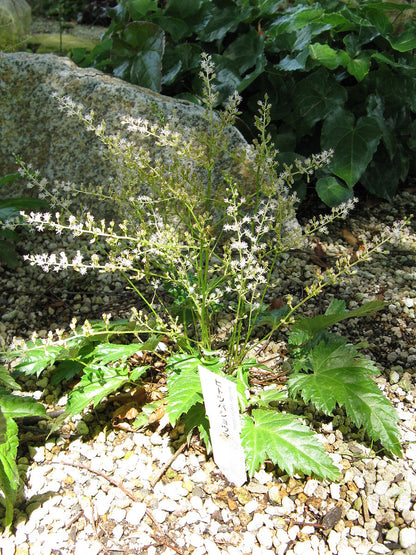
[339, 75]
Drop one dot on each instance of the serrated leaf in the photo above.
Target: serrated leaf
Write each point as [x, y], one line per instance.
[196, 418]
[287, 442]
[98, 382]
[268, 397]
[270, 317]
[111, 352]
[354, 143]
[15, 406]
[9, 474]
[37, 360]
[184, 385]
[335, 314]
[337, 375]
[7, 380]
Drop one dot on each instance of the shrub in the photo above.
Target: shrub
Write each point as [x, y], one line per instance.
[340, 75]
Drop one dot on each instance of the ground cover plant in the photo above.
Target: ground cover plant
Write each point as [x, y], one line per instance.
[340, 75]
[193, 245]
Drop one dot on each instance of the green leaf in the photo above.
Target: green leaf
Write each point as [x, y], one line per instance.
[37, 360]
[8, 179]
[267, 398]
[316, 96]
[66, 370]
[220, 20]
[137, 55]
[196, 418]
[332, 192]
[354, 144]
[337, 375]
[327, 56]
[7, 380]
[15, 406]
[359, 66]
[183, 384]
[98, 382]
[9, 474]
[335, 313]
[405, 41]
[287, 442]
[8, 254]
[111, 352]
[245, 51]
[270, 318]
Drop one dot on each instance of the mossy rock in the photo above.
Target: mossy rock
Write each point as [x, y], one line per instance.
[50, 43]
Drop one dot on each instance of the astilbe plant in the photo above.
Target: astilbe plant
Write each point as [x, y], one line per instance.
[195, 244]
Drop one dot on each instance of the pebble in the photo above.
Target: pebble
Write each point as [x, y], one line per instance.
[407, 537]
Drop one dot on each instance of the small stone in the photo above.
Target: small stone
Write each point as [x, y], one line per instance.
[392, 535]
[331, 518]
[358, 531]
[407, 537]
[118, 514]
[211, 547]
[243, 496]
[160, 516]
[274, 494]
[136, 513]
[333, 541]
[381, 487]
[251, 506]
[403, 502]
[265, 537]
[310, 487]
[82, 429]
[117, 532]
[372, 503]
[256, 523]
[199, 477]
[196, 540]
[335, 491]
[352, 514]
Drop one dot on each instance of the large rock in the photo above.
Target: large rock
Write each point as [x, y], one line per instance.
[59, 146]
[15, 18]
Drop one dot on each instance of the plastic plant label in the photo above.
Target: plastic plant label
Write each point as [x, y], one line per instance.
[221, 405]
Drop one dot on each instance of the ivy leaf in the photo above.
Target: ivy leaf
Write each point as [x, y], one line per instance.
[354, 143]
[316, 96]
[287, 442]
[137, 55]
[336, 374]
[332, 192]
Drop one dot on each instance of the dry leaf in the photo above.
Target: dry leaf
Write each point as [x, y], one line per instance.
[319, 251]
[126, 412]
[158, 414]
[319, 261]
[276, 303]
[349, 238]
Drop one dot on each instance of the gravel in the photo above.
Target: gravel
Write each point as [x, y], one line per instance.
[88, 489]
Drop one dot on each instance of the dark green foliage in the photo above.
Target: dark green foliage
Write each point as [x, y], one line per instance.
[338, 75]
